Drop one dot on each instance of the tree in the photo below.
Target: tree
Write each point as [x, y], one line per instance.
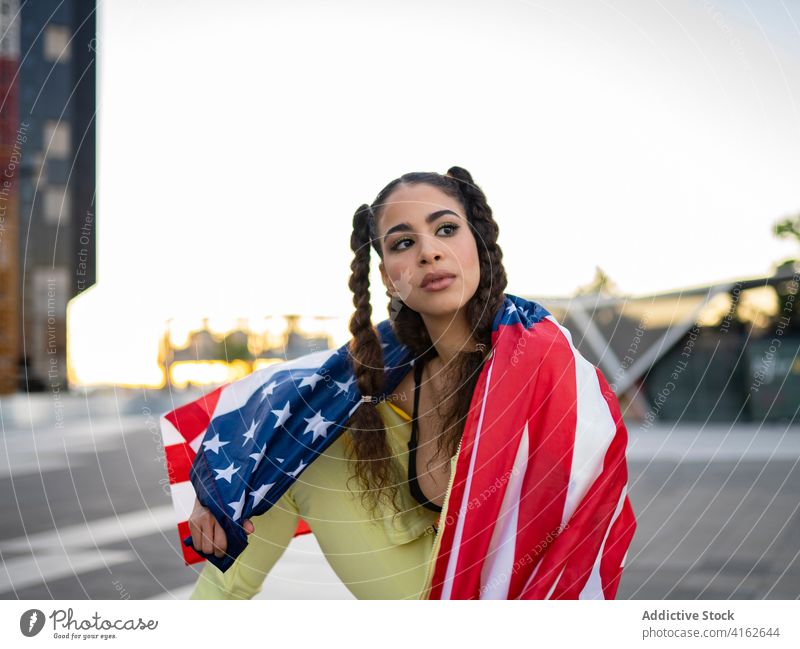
[602, 284]
[788, 296]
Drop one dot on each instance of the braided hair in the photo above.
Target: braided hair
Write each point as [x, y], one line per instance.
[366, 435]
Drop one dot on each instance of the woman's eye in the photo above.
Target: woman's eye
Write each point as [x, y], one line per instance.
[451, 226]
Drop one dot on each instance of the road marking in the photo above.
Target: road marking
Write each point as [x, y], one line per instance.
[75, 549]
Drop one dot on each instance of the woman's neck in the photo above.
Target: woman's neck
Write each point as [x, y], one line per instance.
[451, 335]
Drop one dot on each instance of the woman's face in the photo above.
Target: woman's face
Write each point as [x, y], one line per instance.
[423, 230]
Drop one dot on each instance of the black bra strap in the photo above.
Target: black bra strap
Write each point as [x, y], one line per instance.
[413, 483]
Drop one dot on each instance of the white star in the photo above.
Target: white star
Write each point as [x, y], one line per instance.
[258, 494]
[214, 444]
[227, 474]
[258, 457]
[317, 425]
[299, 468]
[311, 380]
[345, 387]
[248, 436]
[237, 507]
[283, 415]
[511, 308]
[266, 391]
[525, 313]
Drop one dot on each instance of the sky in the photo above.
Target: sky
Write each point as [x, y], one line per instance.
[656, 140]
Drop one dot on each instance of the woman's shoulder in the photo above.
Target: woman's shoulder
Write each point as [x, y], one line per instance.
[333, 459]
[543, 349]
[390, 412]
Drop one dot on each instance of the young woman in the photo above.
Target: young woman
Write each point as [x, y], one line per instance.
[374, 498]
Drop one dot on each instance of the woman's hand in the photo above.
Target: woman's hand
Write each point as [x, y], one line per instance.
[207, 534]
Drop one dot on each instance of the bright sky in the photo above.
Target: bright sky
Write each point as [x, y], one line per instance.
[658, 141]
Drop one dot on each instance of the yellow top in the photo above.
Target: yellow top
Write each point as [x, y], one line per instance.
[374, 557]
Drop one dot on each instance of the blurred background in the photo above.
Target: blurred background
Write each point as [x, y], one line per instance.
[176, 197]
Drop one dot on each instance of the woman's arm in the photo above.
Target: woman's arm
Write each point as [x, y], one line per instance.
[245, 578]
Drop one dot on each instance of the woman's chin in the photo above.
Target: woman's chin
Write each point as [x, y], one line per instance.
[440, 306]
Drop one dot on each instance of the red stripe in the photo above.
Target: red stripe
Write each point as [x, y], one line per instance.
[193, 418]
[618, 542]
[459, 484]
[621, 533]
[302, 528]
[578, 546]
[497, 448]
[179, 462]
[552, 426]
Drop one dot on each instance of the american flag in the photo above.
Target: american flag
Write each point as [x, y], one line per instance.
[538, 506]
[238, 448]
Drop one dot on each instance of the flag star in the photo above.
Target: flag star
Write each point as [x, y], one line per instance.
[282, 415]
[248, 436]
[237, 507]
[258, 457]
[345, 387]
[511, 308]
[525, 313]
[227, 474]
[214, 444]
[267, 390]
[297, 471]
[317, 425]
[311, 380]
[258, 494]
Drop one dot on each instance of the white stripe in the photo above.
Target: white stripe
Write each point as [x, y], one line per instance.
[451, 564]
[234, 396]
[593, 589]
[183, 497]
[533, 575]
[499, 563]
[169, 434]
[594, 429]
[195, 443]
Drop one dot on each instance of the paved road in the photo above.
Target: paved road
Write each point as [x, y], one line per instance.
[87, 515]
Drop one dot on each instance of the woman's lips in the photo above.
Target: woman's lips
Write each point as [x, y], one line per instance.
[439, 284]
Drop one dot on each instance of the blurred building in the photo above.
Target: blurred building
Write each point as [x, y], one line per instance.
[725, 352]
[215, 358]
[47, 151]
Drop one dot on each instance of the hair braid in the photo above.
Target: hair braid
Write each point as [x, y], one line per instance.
[366, 426]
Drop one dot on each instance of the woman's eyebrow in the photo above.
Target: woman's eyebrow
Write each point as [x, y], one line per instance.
[405, 227]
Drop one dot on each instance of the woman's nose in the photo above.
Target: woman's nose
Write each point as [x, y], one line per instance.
[429, 250]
